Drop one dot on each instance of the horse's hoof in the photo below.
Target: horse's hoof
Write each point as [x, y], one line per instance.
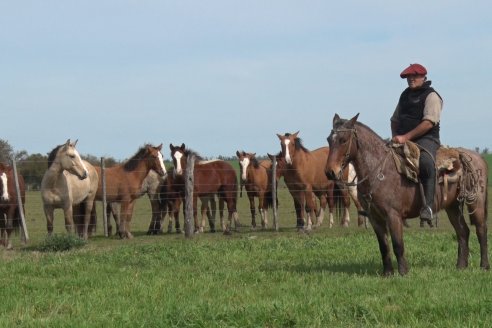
[227, 232]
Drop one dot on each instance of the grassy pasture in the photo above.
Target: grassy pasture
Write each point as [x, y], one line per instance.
[329, 278]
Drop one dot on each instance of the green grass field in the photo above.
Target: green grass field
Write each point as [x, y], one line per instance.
[329, 278]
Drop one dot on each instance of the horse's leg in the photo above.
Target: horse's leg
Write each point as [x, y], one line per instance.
[68, 212]
[462, 233]
[395, 224]
[88, 216]
[381, 231]
[48, 212]
[252, 209]
[346, 205]
[126, 212]
[330, 197]
[310, 202]
[262, 208]
[155, 221]
[9, 226]
[211, 213]
[321, 213]
[478, 217]
[176, 206]
[203, 212]
[361, 218]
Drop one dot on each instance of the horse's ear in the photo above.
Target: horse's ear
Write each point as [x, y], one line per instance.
[171, 146]
[238, 153]
[295, 134]
[253, 155]
[182, 146]
[279, 136]
[75, 143]
[159, 147]
[270, 156]
[353, 119]
[336, 118]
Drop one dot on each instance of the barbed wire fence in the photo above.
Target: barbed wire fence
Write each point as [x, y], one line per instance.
[284, 213]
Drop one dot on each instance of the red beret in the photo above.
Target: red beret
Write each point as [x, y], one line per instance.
[413, 69]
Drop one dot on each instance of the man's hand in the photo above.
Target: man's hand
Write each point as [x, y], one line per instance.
[400, 139]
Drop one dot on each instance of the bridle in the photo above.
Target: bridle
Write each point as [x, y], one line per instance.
[345, 161]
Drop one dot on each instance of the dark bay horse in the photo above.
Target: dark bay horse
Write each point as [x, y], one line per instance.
[124, 183]
[390, 198]
[211, 178]
[256, 178]
[10, 218]
[305, 178]
[69, 183]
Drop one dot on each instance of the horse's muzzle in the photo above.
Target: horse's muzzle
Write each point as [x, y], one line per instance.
[331, 175]
[83, 176]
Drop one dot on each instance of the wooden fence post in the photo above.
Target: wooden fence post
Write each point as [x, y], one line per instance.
[25, 234]
[189, 184]
[103, 183]
[274, 192]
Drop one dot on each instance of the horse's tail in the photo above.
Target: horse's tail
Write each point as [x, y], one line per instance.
[269, 199]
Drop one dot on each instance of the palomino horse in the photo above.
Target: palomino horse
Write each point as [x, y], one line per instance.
[124, 183]
[390, 198]
[305, 178]
[210, 178]
[70, 183]
[256, 178]
[9, 209]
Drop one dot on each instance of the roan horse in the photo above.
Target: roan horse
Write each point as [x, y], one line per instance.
[210, 178]
[256, 178]
[305, 178]
[124, 183]
[69, 183]
[390, 198]
[9, 209]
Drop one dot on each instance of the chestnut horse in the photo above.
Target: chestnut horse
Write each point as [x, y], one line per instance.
[69, 183]
[256, 178]
[305, 178]
[10, 218]
[391, 198]
[349, 177]
[124, 183]
[210, 178]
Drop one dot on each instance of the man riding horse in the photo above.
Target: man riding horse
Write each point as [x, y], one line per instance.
[416, 118]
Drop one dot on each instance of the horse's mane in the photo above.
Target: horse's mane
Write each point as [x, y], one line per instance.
[189, 152]
[52, 155]
[342, 122]
[132, 163]
[298, 143]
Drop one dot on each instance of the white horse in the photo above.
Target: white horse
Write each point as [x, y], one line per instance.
[70, 183]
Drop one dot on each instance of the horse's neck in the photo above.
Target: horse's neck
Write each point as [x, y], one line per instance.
[372, 156]
[53, 174]
[141, 171]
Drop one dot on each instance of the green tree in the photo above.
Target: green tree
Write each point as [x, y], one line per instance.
[6, 151]
[32, 168]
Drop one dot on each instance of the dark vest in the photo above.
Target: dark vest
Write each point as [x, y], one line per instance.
[412, 103]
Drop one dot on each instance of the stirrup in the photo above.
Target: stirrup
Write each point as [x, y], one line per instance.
[426, 216]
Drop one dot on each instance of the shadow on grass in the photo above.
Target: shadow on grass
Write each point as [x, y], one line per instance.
[368, 268]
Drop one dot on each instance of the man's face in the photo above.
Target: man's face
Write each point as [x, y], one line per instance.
[415, 80]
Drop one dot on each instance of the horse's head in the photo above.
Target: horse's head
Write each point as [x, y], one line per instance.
[281, 165]
[289, 143]
[156, 160]
[69, 159]
[178, 155]
[343, 146]
[244, 160]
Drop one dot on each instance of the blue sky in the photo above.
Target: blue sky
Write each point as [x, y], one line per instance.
[222, 76]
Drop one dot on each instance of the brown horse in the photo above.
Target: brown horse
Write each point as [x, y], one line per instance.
[210, 178]
[305, 179]
[10, 218]
[390, 198]
[124, 183]
[256, 178]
